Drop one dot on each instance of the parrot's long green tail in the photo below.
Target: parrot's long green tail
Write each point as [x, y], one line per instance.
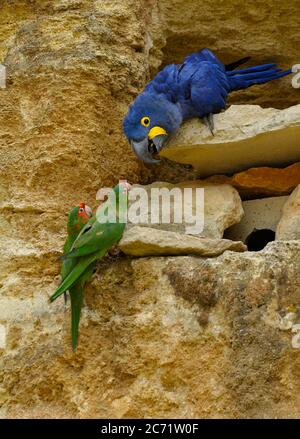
[76, 296]
[77, 271]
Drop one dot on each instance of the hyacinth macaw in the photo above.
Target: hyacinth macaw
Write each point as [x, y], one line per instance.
[78, 217]
[95, 239]
[196, 88]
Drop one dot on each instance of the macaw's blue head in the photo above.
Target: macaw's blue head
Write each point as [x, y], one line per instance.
[150, 119]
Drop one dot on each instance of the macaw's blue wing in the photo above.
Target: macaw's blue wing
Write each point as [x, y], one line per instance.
[166, 83]
[204, 55]
[209, 88]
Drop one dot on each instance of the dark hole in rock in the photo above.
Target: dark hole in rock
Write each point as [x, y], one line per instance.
[258, 239]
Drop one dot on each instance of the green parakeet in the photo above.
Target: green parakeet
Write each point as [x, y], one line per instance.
[78, 217]
[95, 239]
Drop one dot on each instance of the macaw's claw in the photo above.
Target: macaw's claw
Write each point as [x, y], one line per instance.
[209, 122]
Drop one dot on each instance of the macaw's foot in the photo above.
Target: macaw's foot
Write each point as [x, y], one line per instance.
[209, 122]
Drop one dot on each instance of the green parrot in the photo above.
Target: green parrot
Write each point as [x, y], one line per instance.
[78, 217]
[94, 240]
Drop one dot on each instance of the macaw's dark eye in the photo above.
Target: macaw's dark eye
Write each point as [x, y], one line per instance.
[145, 121]
[81, 210]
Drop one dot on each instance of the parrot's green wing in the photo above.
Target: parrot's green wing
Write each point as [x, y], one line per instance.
[84, 230]
[81, 265]
[112, 233]
[90, 241]
[99, 236]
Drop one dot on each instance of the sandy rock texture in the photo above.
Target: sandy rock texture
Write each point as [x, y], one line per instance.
[289, 224]
[72, 69]
[245, 136]
[162, 337]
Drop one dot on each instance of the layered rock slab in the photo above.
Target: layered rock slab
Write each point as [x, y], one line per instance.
[146, 241]
[245, 136]
[218, 208]
[262, 182]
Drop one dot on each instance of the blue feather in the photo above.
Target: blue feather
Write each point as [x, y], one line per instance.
[252, 69]
[244, 79]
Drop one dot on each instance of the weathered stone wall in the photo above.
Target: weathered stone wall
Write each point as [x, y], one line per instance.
[73, 67]
[212, 339]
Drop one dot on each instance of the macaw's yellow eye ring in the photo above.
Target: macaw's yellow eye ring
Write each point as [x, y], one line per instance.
[145, 121]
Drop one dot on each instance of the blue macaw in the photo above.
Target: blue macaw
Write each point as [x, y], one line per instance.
[196, 88]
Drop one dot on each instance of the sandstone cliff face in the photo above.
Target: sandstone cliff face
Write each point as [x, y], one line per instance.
[73, 67]
[214, 339]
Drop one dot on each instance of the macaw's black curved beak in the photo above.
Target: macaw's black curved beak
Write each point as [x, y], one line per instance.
[150, 146]
[142, 151]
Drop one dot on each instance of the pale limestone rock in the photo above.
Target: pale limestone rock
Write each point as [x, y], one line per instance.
[289, 224]
[222, 207]
[145, 241]
[245, 136]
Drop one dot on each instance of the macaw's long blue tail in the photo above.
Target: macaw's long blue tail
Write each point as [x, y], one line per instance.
[243, 78]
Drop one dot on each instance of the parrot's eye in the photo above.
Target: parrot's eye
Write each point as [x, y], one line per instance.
[81, 210]
[145, 121]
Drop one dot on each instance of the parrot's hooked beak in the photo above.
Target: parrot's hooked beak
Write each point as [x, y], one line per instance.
[152, 144]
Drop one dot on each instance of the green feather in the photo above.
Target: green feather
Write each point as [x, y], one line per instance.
[76, 296]
[99, 236]
[81, 265]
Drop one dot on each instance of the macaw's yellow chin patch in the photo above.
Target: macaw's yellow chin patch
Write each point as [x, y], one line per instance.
[156, 131]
